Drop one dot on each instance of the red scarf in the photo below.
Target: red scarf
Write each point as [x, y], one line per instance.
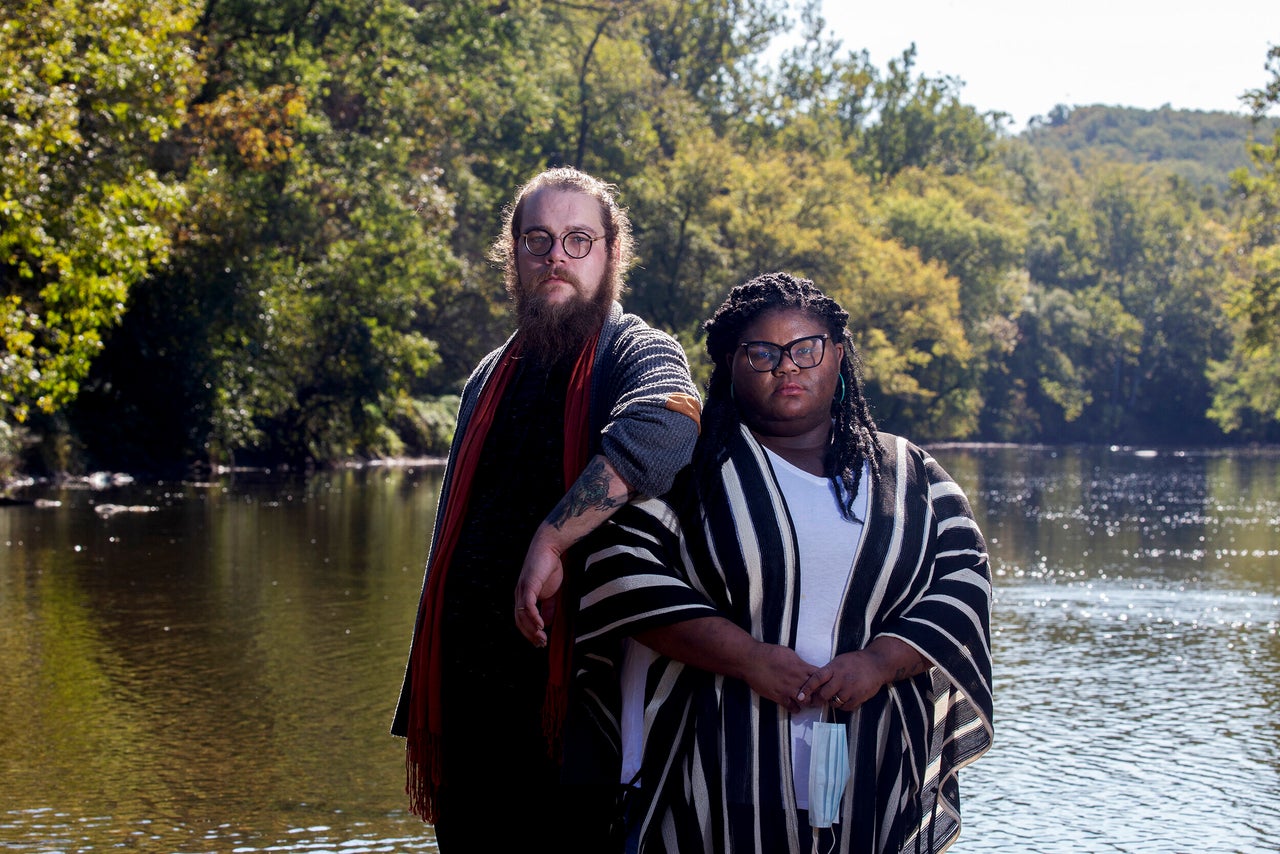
[426, 711]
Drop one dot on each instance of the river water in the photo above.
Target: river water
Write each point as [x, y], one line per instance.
[213, 668]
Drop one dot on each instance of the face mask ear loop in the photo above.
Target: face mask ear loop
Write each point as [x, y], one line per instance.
[817, 835]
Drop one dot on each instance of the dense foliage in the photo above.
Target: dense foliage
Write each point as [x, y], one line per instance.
[89, 94]
[250, 231]
[1247, 382]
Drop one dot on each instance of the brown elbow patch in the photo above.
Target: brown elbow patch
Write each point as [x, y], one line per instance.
[686, 405]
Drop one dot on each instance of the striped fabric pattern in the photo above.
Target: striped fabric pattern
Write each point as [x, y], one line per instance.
[717, 767]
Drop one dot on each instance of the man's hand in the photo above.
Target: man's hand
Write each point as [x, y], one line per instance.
[595, 496]
[540, 581]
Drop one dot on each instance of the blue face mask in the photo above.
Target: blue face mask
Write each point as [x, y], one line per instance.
[828, 773]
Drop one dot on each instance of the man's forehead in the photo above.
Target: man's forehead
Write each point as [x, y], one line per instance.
[574, 206]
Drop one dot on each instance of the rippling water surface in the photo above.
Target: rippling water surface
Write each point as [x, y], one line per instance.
[1137, 651]
[213, 669]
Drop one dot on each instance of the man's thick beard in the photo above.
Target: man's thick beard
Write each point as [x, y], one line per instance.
[554, 331]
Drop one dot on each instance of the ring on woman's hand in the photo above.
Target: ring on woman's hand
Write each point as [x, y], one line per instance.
[837, 700]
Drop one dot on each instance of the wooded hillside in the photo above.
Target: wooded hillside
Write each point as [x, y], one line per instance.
[1202, 147]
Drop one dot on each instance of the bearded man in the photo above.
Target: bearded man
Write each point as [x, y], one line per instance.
[581, 409]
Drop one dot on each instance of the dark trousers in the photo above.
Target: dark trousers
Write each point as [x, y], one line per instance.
[529, 817]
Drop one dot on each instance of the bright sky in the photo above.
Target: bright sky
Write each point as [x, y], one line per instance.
[1024, 57]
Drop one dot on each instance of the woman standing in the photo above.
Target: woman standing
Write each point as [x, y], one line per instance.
[806, 570]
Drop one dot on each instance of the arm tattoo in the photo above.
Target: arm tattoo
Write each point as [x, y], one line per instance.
[589, 491]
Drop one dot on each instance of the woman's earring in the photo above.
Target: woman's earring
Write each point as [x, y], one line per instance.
[841, 388]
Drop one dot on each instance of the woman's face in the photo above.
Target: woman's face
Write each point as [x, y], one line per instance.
[787, 400]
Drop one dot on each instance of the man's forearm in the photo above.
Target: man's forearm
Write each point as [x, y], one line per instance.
[595, 496]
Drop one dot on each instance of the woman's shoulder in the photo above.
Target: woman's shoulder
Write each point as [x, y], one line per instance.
[891, 442]
[893, 449]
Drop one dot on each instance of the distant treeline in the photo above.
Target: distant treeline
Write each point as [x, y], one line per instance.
[1205, 148]
[257, 232]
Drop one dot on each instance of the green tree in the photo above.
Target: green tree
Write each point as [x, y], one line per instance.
[1043, 384]
[978, 235]
[91, 91]
[818, 218]
[1141, 258]
[284, 229]
[292, 321]
[1202, 147]
[1247, 382]
[921, 121]
[684, 268]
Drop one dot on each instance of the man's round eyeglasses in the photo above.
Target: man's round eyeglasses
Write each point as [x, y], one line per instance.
[577, 244]
[805, 352]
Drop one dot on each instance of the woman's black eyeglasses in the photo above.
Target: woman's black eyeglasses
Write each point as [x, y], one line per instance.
[577, 244]
[805, 352]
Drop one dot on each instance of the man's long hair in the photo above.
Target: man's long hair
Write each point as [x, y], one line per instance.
[617, 226]
[853, 432]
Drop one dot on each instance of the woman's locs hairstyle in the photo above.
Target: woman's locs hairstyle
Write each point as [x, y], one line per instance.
[853, 429]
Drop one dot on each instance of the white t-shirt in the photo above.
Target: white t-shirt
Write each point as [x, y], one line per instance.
[828, 544]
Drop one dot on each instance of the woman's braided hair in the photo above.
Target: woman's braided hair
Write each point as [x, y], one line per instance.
[853, 433]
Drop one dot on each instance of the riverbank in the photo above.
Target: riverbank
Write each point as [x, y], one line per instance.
[12, 488]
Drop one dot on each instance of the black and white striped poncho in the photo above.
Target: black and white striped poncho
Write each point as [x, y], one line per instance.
[716, 775]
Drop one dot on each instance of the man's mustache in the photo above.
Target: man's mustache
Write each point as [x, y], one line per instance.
[561, 273]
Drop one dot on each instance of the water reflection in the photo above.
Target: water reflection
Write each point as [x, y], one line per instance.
[216, 673]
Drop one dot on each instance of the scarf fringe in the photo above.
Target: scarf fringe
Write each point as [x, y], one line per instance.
[554, 708]
[423, 771]
[555, 702]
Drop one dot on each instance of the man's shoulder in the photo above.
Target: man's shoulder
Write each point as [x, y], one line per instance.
[626, 328]
[625, 321]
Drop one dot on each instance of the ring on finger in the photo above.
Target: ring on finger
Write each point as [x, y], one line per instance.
[836, 699]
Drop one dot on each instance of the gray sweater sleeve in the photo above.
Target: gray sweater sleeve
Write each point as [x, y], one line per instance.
[645, 404]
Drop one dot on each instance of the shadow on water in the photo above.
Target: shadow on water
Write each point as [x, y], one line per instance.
[213, 669]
